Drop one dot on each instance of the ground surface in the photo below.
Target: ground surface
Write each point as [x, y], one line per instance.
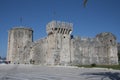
[35, 72]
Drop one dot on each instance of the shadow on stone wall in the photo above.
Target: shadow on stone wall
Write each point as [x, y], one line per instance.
[104, 75]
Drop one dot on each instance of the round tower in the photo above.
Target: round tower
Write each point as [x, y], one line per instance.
[18, 38]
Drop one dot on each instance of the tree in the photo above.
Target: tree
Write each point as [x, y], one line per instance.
[85, 2]
[32, 61]
[118, 52]
[4, 58]
[119, 55]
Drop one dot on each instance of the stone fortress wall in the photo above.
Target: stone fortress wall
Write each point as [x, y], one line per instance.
[60, 47]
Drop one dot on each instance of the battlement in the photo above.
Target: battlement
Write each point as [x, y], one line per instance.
[59, 27]
[21, 28]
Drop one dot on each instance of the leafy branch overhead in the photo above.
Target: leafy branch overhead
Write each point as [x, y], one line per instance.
[85, 2]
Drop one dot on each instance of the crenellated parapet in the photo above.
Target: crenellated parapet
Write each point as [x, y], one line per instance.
[21, 28]
[59, 27]
[107, 38]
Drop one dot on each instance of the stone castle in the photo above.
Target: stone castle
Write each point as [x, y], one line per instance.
[60, 47]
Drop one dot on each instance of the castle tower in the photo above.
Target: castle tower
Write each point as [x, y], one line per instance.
[59, 34]
[110, 51]
[17, 42]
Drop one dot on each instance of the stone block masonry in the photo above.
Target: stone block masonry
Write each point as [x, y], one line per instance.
[59, 47]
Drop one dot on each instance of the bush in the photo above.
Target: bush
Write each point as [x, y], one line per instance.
[93, 65]
[32, 61]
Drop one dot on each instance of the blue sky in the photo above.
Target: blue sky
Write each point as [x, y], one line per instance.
[98, 16]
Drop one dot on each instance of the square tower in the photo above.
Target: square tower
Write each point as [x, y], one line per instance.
[59, 35]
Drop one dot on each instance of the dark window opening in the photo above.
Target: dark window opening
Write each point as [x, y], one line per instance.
[69, 31]
[61, 30]
[71, 36]
[64, 36]
[111, 41]
[55, 28]
[50, 33]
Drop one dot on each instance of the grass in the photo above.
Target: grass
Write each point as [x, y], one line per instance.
[116, 67]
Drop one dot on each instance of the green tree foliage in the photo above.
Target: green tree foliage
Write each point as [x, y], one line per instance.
[85, 2]
[119, 56]
[32, 61]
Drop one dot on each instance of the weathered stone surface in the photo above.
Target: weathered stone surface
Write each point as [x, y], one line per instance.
[60, 48]
[100, 50]
[18, 41]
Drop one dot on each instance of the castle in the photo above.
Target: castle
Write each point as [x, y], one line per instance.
[60, 47]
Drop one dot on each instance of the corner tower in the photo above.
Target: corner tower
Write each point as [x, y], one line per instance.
[18, 39]
[108, 40]
[59, 34]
